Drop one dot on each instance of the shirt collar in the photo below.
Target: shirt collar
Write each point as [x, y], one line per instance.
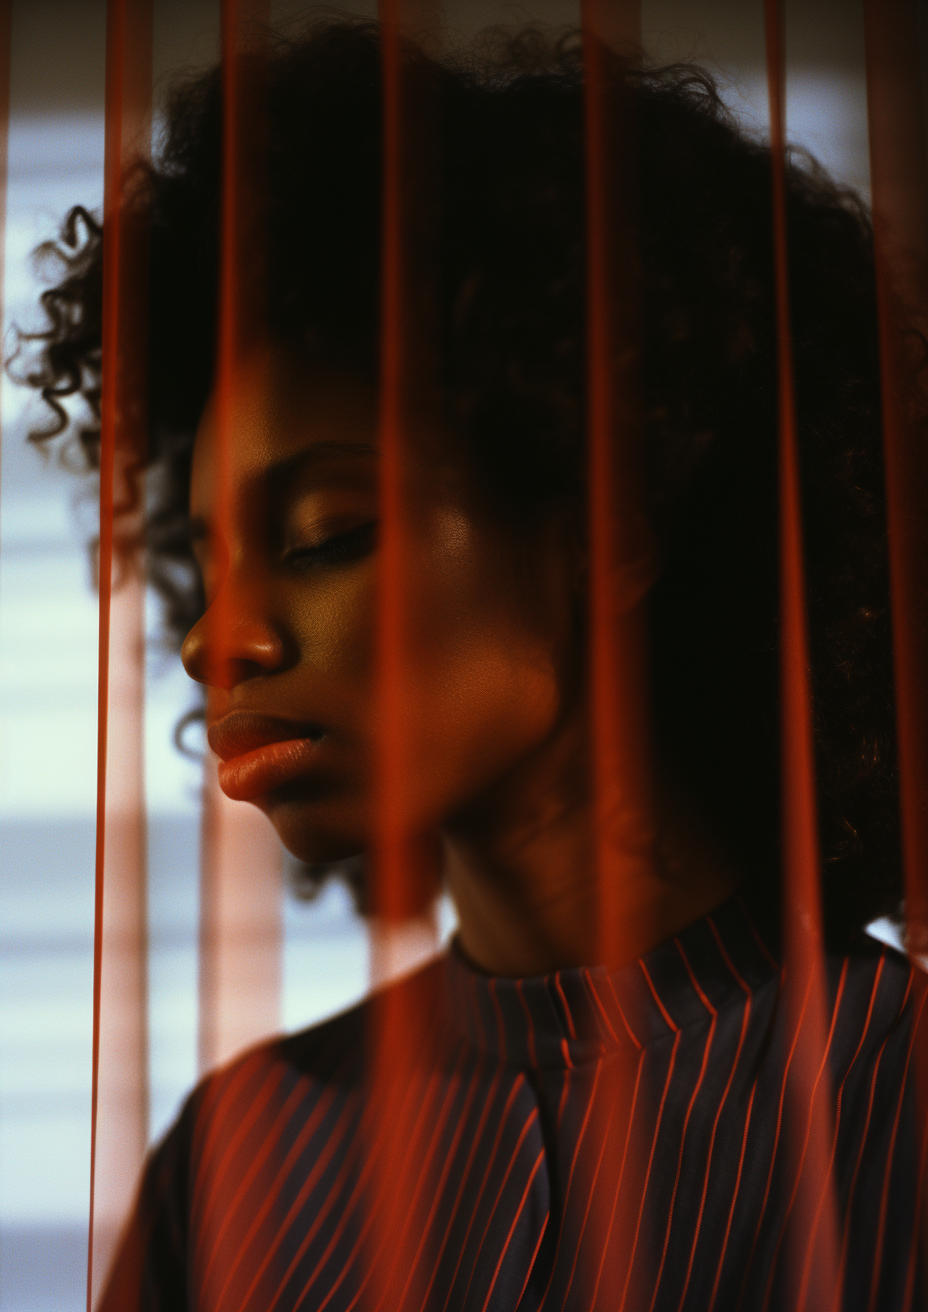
[578, 1015]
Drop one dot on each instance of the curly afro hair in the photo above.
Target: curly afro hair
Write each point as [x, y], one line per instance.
[510, 291]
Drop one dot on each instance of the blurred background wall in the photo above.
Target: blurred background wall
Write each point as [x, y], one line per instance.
[48, 635]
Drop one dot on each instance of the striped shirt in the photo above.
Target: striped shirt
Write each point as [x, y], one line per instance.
[581, 1140]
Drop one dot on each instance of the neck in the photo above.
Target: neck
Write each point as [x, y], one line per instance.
[522, 867]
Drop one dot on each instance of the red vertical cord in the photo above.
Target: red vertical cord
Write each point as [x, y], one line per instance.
[813, 1223]
[211, 929]
[240, 879]
[620, 541]
[392, 766]
[118, 1095]
[402, 882]
[620, 549]
[113, 185]
[392, 1047]
[403, 878]
[897, 95]
[241, 311]
[620, 555]
[240, 917]
[236, 309]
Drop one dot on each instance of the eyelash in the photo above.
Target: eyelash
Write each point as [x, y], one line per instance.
[339, 549]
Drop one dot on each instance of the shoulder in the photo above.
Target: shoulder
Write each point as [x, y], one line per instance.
[877, 1015]
[868, 961]
[239, 1099]
[878, 997]
[320, 1053]
[293, 1068]
[875, 987]
[877, 1029]
[290, 1089]
[292, 1073]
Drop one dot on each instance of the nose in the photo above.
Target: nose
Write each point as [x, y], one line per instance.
[229, 645]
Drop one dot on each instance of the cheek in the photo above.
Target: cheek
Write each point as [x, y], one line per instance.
[485, 691]
[475, 673]
[334, 619]
[491, 708]
[482, 685]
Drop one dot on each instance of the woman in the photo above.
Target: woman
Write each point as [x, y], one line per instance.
[554, 1130]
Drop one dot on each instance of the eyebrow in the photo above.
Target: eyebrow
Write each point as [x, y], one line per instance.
[318, 453]
[198, 529]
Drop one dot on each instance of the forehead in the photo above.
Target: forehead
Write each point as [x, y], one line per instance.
[279, 409]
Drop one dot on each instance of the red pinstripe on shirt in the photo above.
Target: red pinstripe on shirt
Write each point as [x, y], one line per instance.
[745, 1017]
[423, 1173]
[620, 1180]
[823, 1067]
[590, 1193]
[333, 1142]
[686, 1119]
[591, 989]
[528, 1184]
[860, 1152]
[916, 1249]
[517, 1087]
[465, 1176]
[573, 1167]
[216, 1172]
[530, 1121]
[570, 1020]
[288, 1109]
[773, 1155]
[271, 1139]
[647, 1177]
[358, 1192]
[621, 1010]
[218, 1098]
[442, 1180]
[890, 1162]
[746, 1014]
[807, 1264]
[656, 996]
[734, 1197]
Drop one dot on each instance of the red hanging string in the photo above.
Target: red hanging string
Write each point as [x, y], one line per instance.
[620, 560]
[392, 766]
[620, 545]
[812, 1226]
[401, 1084]
[240, 913]
[241, 889]
[404, 878]
[897, 96]
[119, 1096]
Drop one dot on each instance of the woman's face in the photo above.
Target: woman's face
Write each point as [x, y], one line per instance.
[287, 644]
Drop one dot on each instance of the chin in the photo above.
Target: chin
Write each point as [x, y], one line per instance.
[318, 832]
[322, 827]
[336, 831]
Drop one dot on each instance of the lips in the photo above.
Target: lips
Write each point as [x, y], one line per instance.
[258, 753]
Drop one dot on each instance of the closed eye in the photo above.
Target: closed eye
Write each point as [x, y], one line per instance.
[338, 549]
